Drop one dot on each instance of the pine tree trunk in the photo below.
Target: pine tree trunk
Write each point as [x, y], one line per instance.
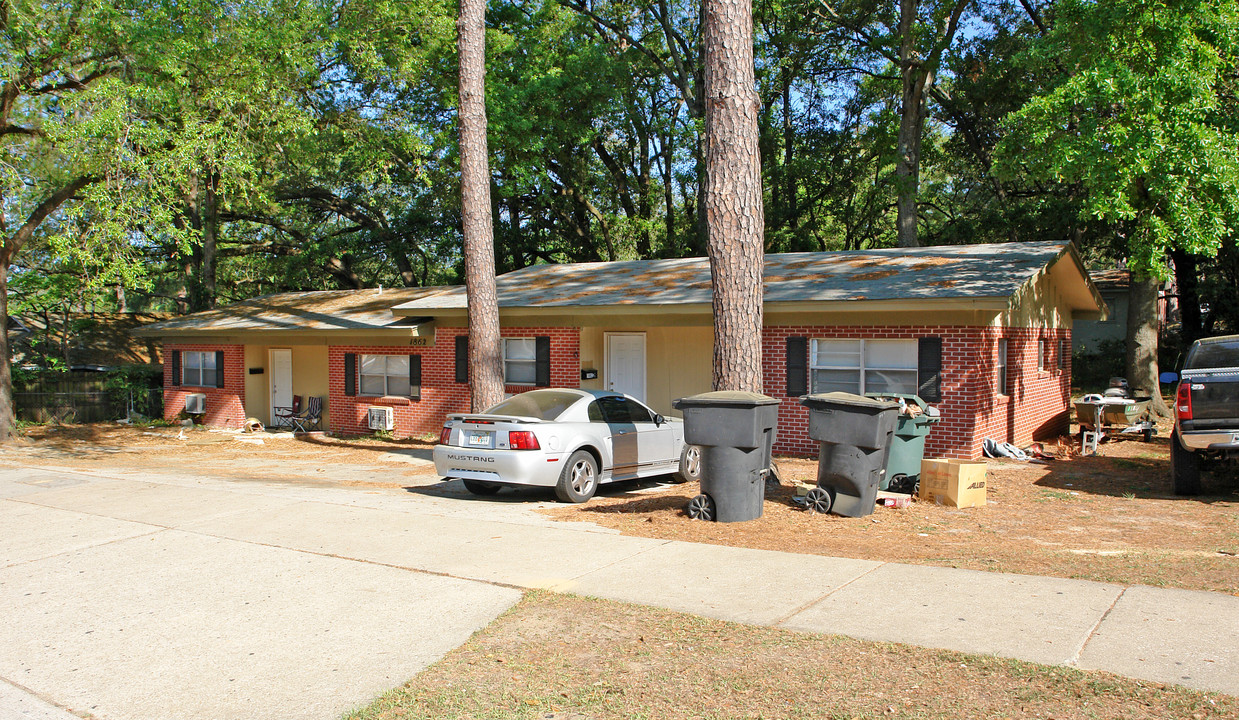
[733, 198]
[8, 419]
[911, 125]
[1142, 328]
[485, 346]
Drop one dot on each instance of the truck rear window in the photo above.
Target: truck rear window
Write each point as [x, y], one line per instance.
[1213, 355]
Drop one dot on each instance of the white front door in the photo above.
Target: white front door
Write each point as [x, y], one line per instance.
[626, 364]
[281, 367]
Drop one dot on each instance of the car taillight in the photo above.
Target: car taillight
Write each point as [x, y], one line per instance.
[1183, 401]
[523, 440]
[444, 435]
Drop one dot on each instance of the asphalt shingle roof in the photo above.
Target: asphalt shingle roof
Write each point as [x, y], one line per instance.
[320, 310]
[942, 272]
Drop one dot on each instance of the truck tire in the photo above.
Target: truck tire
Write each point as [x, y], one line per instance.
[1184, 468]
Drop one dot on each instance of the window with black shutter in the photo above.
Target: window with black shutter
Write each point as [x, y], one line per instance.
[929, 369]
[219, 368]
[176, 368]
[797, 366]
[462, 358]
[542, 361]
[415, 377]
[350, 374]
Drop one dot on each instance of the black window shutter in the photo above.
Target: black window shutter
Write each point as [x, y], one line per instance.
[350, 374]
[797, 366]
[176, 367]
[219, 368]
[415, 377]
[462, 358]
[542, 361]
[929, 369]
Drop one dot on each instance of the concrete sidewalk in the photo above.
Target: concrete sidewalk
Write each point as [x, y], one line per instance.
[83, 536]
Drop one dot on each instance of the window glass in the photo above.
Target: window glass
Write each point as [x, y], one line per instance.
[1041, 354]
[1213, 354]
[519, 361]
[637, 412]
[864, 366]
[614, 410]
[890, 354]
[385, 375]
[198, 368]
[1002, 366]
[890, 381]
[825, 381]
[836, 353]
[541, 404]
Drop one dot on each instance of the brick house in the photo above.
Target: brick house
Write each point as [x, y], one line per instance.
[982, 331]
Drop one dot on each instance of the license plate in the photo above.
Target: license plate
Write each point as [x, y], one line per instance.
[477, 439]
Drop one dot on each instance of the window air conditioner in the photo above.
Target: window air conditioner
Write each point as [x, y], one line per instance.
[381, 418]
[195, 403]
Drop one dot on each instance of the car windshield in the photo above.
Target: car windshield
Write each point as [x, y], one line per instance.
[1214, 355]
[541, 404]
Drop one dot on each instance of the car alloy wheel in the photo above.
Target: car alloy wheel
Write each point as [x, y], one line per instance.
[579, 479]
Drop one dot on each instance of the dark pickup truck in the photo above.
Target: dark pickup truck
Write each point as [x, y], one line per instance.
[1206, 410]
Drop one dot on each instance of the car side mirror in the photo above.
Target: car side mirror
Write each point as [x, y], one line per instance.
[659, 419]
[1168, 377]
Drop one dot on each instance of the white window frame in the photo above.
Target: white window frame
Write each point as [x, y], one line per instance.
[862, 369]
[1042, 354]
[200, 367]
[387, 375]
[1004, 348]
[532, 362]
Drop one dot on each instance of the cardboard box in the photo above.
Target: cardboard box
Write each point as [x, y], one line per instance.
[958, 483]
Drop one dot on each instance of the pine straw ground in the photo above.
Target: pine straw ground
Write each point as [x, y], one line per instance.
[560, 657]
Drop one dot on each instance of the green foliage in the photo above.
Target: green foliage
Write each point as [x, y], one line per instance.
[1140, 118]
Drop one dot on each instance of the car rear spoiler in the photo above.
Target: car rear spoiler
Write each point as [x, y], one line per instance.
[483, 419]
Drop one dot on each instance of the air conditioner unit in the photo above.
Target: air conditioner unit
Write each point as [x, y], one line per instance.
[381, 418]
[195, 403]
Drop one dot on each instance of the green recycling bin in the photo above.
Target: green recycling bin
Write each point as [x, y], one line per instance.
[903, 469]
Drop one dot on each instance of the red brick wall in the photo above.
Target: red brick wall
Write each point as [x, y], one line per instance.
[225, 407]
[970, 411]
[441, 394]
[1037, 402]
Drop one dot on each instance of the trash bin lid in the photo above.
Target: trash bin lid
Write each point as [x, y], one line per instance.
[821, 400]
[725, 398]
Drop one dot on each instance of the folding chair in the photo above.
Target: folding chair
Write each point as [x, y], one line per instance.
[283, 416]
[312, 418]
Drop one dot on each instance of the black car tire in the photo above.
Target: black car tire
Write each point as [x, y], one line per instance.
[1184, 468]
[478, 487]
[690, 464]
[578, 481]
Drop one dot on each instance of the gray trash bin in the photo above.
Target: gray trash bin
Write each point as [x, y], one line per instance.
[735, 431]
[854, 433]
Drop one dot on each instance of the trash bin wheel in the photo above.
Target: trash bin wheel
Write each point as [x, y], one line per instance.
[690, 464]
[819, 500]
[701, 508]
[478, 487]
[579, 478]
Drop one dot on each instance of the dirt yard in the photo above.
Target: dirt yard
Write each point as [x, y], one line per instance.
[1111, 518]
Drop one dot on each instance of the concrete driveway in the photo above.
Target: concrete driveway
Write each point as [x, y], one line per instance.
[130, 595]
[122, 599]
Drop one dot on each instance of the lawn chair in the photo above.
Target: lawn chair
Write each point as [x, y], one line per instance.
[282, 417]
[312, 418]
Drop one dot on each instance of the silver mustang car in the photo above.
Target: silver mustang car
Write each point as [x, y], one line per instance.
[571, 440]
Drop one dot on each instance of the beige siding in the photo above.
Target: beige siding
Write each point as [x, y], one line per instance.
[309, 377]
[677, 361]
